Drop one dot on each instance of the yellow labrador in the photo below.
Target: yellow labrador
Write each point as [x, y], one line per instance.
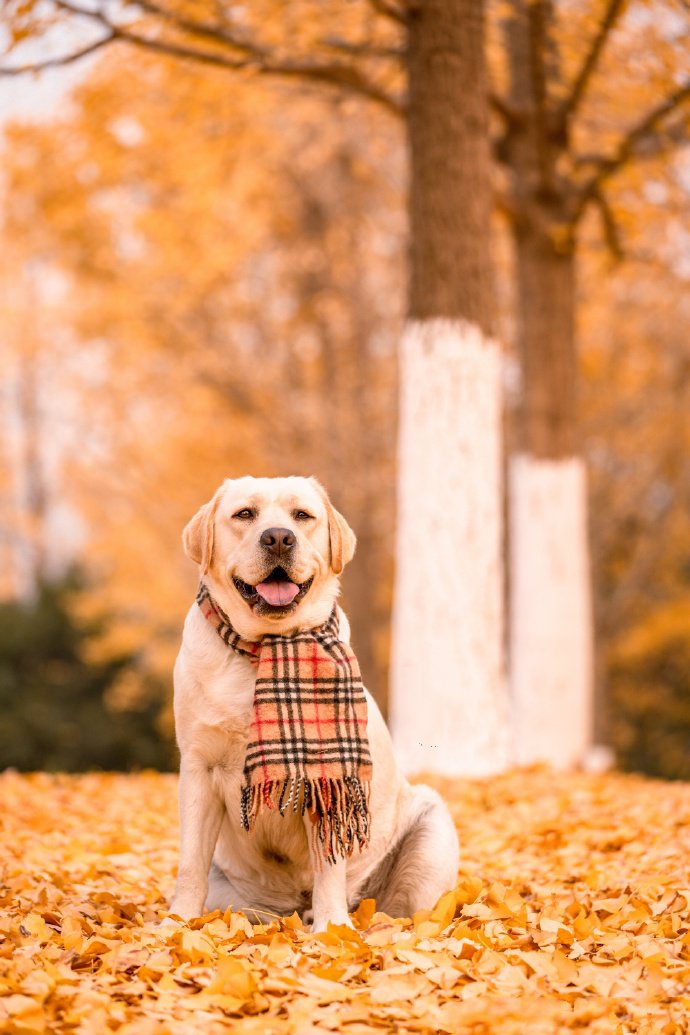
[270, 551]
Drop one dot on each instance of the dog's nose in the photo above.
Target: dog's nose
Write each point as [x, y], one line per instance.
[278, 540]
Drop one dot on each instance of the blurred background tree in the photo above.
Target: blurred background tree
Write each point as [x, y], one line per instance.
[252, 272]
[591, 97]
[153, 261]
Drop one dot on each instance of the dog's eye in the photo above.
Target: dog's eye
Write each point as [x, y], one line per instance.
[246, 514]
[301, 515]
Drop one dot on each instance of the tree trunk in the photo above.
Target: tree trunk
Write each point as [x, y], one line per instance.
[448, 706]
[550, 630]
[550, 606]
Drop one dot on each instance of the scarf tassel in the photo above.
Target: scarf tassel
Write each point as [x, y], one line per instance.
[338, 809]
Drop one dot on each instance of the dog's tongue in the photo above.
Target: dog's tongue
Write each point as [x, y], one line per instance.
[278, 594]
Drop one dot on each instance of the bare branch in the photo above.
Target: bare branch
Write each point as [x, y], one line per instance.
[610, 227]
[343, 76]
[57, 62]
[207, 30]
[656, 142]
[502, 107]
[71, 8]
[593, 158]
[252, 57]
[389, 10]
[230, 390]
[644, 130]
[613, 9]
[363, 49]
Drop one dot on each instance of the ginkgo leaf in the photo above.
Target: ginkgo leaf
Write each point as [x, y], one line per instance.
[232, 978]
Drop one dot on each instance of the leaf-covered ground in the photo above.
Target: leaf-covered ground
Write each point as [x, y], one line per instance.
[572, 911]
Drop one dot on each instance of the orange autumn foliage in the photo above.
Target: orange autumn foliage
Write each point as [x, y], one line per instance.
[229, 337]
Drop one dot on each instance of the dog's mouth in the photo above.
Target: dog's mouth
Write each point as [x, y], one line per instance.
[276, 594]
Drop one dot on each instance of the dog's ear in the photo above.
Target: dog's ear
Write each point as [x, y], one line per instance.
[342, 539]
[198, 535]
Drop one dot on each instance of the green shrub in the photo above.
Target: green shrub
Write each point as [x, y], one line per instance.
[54, 713]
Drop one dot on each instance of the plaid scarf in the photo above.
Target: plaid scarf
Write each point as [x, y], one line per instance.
[308, 746]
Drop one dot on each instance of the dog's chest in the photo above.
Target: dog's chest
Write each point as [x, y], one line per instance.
[228, 694]
[214, 689]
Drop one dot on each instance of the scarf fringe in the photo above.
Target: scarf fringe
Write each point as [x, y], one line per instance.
[338, 809]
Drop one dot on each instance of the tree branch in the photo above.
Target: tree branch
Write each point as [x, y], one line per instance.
[362, 49]
[71, 8]
[389, 10]
[57, 62]
[609, 226]
[206, 30]
[613, 9]
[643, 130]
[656, 142]
[343, 76]
[504, 109]
[334, 74]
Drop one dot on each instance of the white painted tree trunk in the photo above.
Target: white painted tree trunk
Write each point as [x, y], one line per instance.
[448, 704]
[550, 611]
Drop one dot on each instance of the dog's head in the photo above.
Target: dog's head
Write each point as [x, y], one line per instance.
[271, 551]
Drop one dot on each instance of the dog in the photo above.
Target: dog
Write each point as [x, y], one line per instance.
[270, 552]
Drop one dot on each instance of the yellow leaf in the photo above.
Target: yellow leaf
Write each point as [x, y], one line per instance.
[35, 925]
[72, 934]
[167, 983]
[565, 968]
[428, 928]
[233, 977]
[280, 949]
[386, 988]
[38, 984]
[444, 910]
[445, 976]
[336, 934]
[22, 1015]
[293, 922]
[468, 889]
[197, 946]
[381, 934]
[324, 991]
[331, 972]
[365, 912]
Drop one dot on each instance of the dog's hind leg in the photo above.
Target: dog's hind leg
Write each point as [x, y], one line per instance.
[423, 862]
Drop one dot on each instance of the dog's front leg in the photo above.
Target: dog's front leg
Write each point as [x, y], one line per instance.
[329, 894]
[201, 812]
